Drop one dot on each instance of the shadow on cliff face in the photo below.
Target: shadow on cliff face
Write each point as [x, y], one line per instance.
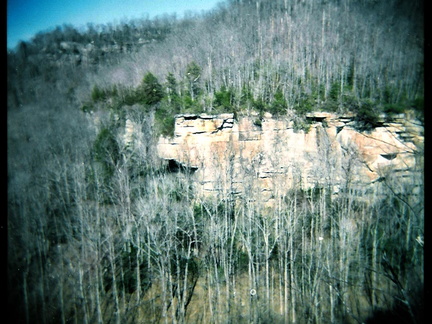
[399, 313]
[175, 167]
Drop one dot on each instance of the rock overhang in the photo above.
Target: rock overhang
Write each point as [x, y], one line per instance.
[236, 151]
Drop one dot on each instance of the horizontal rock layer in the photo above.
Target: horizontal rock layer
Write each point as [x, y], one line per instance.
[236, 156]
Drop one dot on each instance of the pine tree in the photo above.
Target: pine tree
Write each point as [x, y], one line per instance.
[193, 74]
[150, 92]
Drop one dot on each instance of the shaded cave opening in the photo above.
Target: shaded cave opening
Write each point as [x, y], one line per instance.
[174, 166]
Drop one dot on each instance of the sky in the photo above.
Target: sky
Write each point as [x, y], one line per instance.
[25, 18]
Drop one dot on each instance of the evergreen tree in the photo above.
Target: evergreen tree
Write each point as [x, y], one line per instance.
[171, 85]
[106, 151]
[193, 74]
[279, 103]
[151, 91]
[224, 98]
[172, 93]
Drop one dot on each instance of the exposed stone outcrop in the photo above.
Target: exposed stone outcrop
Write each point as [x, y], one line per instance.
[237, 155]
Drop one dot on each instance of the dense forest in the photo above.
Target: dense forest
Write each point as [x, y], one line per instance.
[103, 232]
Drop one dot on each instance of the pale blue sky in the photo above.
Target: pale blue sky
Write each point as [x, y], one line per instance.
[25, 18]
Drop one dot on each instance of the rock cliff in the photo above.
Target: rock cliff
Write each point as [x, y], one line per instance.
[269, 157]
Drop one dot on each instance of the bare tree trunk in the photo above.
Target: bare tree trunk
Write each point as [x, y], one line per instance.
[61, 298]
[138, 275]
[98, 300]
[82, 296]
[112, 257]
[375, 264]
[164, 284]
[293, 278]
[25, 295]
[42, 283]
[210, 295]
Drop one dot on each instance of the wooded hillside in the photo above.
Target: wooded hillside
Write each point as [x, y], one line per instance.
[102, 232]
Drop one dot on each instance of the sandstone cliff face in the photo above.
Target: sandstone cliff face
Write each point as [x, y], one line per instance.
[240, 157]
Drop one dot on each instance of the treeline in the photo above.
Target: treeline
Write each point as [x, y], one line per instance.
[275, 56]
[308, 55]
